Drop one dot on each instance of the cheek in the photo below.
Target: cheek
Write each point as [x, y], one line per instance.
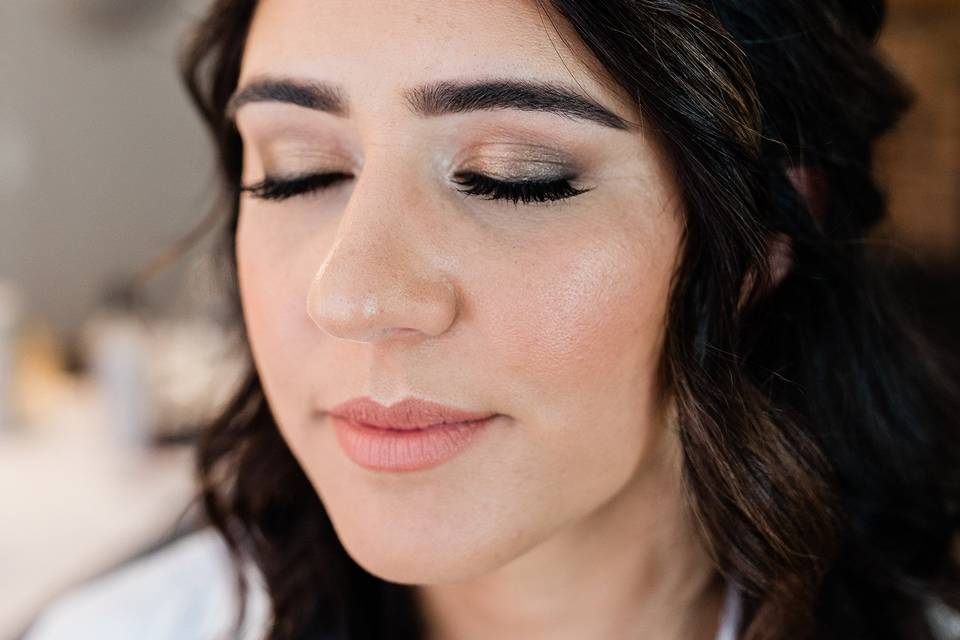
[583, 325]
[593, 307]
[272, 293]
[575, 333]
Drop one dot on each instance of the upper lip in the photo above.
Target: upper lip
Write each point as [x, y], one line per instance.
[410, 413]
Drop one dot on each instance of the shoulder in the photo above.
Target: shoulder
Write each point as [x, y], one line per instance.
[184, 591]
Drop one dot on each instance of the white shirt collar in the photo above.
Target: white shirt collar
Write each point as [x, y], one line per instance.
[731, 613]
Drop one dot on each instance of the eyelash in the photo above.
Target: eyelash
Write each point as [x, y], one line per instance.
[525, 191]
[271, 188]
[476, 184]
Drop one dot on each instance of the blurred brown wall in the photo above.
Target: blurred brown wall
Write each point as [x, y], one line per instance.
[921, 159]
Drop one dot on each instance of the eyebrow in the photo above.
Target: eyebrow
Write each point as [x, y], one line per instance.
[311, 95]
[436, 99]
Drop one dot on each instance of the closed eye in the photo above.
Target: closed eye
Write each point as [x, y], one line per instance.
[272, 188]
[525, 191]
[475, 184]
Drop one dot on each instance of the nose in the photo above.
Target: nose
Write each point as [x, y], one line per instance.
[382, 277]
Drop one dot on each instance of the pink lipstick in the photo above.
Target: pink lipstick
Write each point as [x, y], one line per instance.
[410, 435]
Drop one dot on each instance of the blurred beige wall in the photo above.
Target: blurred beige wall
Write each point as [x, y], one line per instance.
[102, 160]
[921, 159]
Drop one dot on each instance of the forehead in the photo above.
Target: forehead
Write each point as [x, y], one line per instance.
[380, 46]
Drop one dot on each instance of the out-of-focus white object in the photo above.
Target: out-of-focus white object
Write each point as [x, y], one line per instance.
[118, 351]
[11, 310]
[162, 377]
[82, 489]
[195, 368]
[185, 590]
[73, 502]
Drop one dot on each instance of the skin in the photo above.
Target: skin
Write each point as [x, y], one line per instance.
[566, 518]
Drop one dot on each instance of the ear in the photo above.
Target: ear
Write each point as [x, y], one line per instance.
[779, 257]
[810, 183]
[779, 261]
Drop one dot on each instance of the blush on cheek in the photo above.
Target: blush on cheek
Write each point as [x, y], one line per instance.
[582, 349]
[592, 314]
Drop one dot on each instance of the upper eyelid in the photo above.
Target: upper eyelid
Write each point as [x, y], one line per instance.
[281, 156]
[456, 178]
[284, 142]
[279, 177]
[562, 170]
[498, 146]
[504, 164]
[453, 177]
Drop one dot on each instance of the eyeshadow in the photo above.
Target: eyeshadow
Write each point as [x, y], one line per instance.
[286, 158]
[518, 159]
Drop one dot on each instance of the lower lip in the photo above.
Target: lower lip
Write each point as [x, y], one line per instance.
[404, 450]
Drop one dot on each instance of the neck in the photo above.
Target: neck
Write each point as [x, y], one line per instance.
[631, 569]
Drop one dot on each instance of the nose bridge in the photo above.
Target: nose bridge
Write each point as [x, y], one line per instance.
[382, 276]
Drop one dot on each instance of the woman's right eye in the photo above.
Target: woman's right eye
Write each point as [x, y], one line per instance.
[274, 188]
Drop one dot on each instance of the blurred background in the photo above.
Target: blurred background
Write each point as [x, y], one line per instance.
[104, 168]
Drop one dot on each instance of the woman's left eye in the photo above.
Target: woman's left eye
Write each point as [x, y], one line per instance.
[525, 191]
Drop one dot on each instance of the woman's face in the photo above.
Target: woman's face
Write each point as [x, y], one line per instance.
[393, 283]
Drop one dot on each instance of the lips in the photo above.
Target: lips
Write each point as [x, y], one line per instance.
[408, 414]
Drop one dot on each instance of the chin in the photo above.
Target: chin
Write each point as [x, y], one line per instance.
[427, 561]
[413, 566]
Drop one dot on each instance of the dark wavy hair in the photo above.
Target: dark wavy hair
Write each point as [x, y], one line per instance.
[821, 459]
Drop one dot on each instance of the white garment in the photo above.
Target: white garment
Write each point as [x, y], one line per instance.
[185, 592]
[730, 616]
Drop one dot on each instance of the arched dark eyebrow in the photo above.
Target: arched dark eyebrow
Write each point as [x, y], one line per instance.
[525, 95]
[437, 98]
[320, 96]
